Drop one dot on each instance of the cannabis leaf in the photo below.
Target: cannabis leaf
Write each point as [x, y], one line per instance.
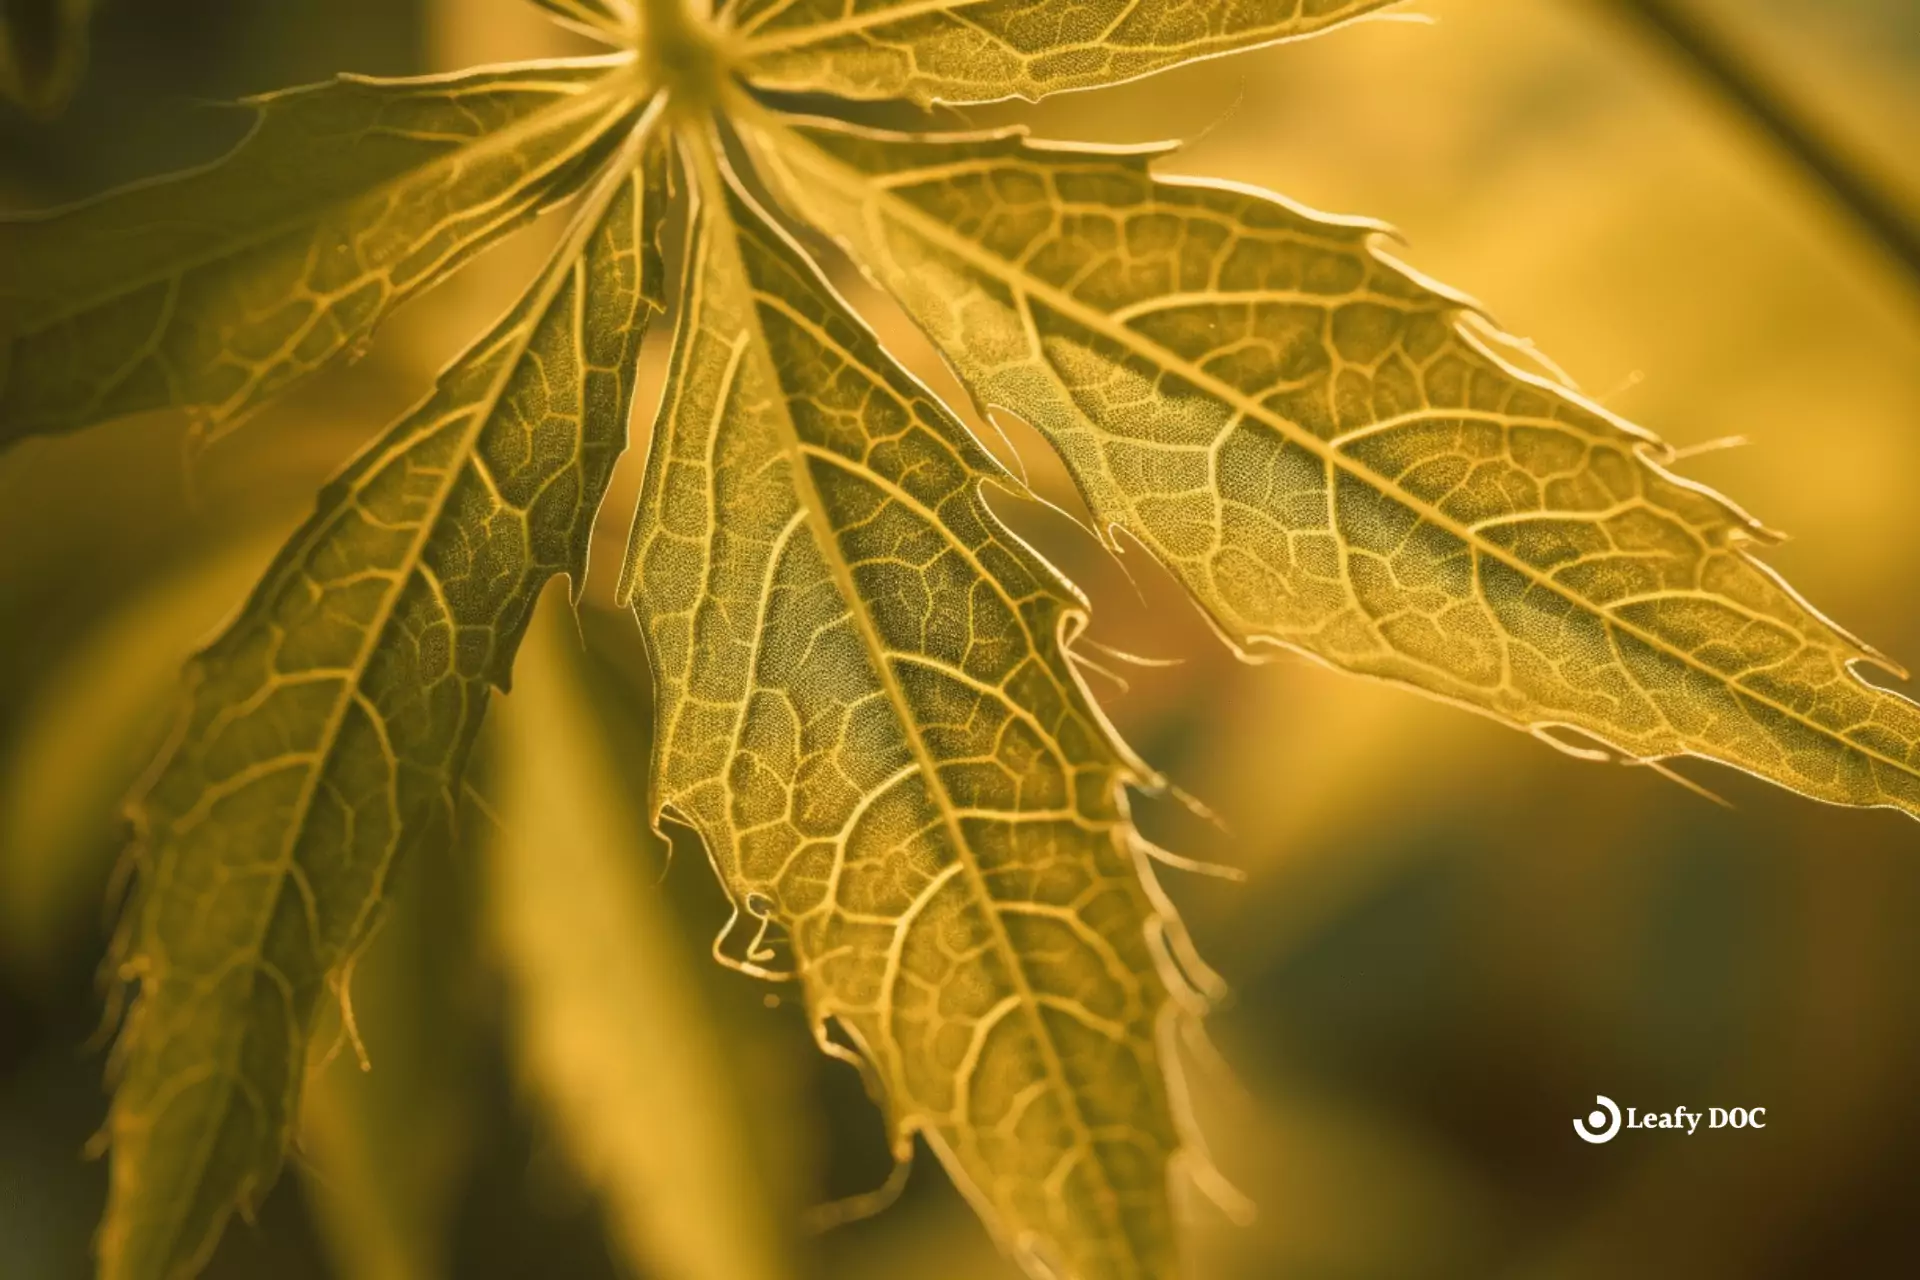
[983, 50]
[327, 728]
[865, 709]
[215, 291]
[1334, 458]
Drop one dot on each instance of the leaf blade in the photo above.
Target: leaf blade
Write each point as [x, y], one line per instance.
[1334, 460]
[327, 728]
[866, 712]
[213, 290]
[972, 51]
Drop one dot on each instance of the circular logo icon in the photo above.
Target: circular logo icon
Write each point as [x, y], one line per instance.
[1600, 1125]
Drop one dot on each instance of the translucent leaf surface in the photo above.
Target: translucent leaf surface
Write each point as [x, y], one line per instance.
[865, 711]
[326, 730]
[212, 290]
[982, 50]
[866, 707]
[1334, 459]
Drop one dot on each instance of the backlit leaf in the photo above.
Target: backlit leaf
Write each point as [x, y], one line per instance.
[865, 710]
[610, 1029]
[983, 50]
[212, 290]
[326, 730]
[865, 703]
[1334, 460]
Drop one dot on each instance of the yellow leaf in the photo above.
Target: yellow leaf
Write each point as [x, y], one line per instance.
[326, 729]
[983, 50]
[213, 290]
[1334, 457]
[865, 709]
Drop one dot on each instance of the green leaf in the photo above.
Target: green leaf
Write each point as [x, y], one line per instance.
[610, 1026]
[326, 730]
[213, 290]
[1333, 456]
[984, 50]
[43, 51]
[866, 711]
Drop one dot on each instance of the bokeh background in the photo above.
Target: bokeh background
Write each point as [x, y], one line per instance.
[1451, 937]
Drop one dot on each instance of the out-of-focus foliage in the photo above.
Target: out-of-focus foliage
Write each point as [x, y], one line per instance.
[43, 51]
[87, 736]
[387, 1125]
[1426, 992]
[614, 1038]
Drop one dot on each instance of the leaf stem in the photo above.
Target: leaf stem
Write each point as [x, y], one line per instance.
[1694, 40]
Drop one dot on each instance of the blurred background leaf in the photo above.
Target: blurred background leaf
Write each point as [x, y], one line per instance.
[93, 726]
[43, 51]
[609, 1025]
[387, 1126]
